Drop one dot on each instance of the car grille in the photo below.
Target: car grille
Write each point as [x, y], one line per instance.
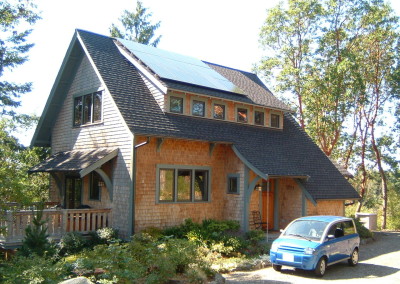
[290, 249]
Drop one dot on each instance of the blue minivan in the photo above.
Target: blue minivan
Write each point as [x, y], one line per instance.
[314, 242]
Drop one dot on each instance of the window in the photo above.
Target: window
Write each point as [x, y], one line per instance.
[219, 111]
[87, 108]
[275, 120]
[348, 228]
[233, 183]
[96, 182]
[182, 184]
[259, 117]
[198, 108]
[176, 104]
[241, 115]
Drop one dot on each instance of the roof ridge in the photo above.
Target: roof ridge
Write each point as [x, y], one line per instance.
[227, 67]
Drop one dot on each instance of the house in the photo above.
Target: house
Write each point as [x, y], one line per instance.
[155, 137]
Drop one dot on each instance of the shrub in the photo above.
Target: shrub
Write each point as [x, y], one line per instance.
[255, 236]
[72, 242]
[33, 269]
[36, 237]
[103, 236]
[362, 230]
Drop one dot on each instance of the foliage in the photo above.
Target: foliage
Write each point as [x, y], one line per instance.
[33, 269]
[362, 230]
[137, 26]
[70, 243]
[144, 259]
[339, 61]
[216, 235]
[103, 236]
[36, 237]
[15, 17]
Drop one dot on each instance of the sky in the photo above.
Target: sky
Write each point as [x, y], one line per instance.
[224, 32]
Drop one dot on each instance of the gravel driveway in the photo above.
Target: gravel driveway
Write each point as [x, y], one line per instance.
[379, 263]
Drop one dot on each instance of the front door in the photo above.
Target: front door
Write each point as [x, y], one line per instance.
[73, 192]
[268, 204]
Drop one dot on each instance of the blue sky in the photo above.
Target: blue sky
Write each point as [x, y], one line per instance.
[225, 32]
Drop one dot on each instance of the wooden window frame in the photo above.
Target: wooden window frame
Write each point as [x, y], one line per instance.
[179, 96]
[237, 113]
[279, 122]
[192, 102]
[82, 97]
[175, 169]
[228, 188]
[225, 110]
[259, 111]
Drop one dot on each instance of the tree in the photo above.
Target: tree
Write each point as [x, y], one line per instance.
[14, 18]
[137, 26]
[342, 66]
[288, 36]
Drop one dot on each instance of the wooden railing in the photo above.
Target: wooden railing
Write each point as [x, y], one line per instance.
[58, 221]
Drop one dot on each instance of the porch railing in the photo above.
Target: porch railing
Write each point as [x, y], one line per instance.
[58, 221]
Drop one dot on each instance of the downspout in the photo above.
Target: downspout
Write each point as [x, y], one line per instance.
[133, 184]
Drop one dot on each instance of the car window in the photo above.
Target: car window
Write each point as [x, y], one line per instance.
[348, 228]
[336, 230]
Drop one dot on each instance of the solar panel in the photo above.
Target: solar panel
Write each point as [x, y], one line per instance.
[173, 66]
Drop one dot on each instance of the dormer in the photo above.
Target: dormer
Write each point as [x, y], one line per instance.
[183, 85]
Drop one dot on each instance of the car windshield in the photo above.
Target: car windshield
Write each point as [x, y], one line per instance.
[307, 229]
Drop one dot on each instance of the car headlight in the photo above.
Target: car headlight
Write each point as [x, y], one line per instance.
[309, 251]
[274, 246]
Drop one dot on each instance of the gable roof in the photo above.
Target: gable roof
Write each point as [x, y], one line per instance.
[289, 152]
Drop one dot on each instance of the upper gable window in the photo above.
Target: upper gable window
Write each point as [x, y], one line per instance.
[219, 111]
[198, 108]
[275, 120]
[176, 104]
[259, 117]
[242, 115]
[88, 108]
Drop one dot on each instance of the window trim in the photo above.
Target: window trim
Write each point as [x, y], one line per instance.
[280, 119]
[82, 96]
[175, 193]
[237, 113]
[199, 100]
[231, 176]
[181, 96]
[225, 110]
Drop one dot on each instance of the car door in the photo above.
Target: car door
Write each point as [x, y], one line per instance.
[334, 243]
[351, 237]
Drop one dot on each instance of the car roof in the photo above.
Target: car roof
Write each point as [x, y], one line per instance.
[325, 218]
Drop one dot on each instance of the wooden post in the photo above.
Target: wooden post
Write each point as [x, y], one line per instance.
[64, 221]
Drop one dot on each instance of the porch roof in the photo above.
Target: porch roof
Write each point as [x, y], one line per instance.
[78, 161]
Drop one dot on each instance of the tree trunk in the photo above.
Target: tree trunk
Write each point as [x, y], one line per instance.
[383, 177]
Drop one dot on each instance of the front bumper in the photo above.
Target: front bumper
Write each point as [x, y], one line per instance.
[302, 261]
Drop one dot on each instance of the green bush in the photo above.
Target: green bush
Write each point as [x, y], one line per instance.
[255, 236]
[33, 269]
[362, 230]
[71, 243]
[103, 236]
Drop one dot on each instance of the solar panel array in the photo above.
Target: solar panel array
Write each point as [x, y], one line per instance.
[177, 67]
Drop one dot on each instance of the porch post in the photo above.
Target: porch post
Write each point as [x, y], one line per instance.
[246, 200]
[276, 205]
[248, 189]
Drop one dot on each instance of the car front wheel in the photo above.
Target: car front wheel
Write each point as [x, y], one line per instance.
[353, 258]
[321, 267]
[277, 267]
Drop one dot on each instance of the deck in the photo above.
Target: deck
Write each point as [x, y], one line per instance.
[59, 222]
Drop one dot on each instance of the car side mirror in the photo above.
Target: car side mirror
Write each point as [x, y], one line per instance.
[281, 230]
[331, 237]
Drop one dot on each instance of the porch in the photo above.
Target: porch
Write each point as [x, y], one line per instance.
[58, 221]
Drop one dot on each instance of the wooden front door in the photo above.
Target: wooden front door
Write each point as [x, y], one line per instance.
[268, 205]
[73, 192]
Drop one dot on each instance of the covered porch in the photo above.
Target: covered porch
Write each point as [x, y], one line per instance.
[80, 196]
[58, 221]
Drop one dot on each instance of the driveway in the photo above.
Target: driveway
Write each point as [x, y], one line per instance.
[379, 263]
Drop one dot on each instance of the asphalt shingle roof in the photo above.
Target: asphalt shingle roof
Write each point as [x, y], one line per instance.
[72, 161]
[287, 152]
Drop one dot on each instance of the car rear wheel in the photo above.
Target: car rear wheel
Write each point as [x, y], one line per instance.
[321, 267]
[277, 267]
[353, 258]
